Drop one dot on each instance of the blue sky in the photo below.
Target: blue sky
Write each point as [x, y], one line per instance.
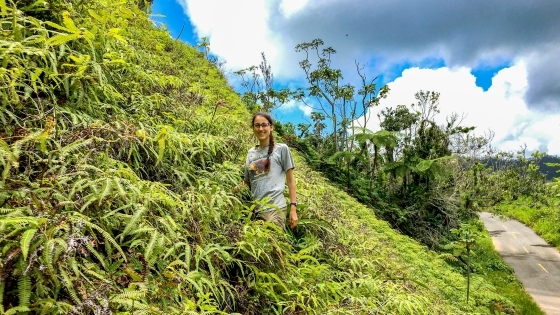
[494, 62]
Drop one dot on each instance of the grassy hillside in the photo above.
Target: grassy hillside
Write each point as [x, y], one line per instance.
[118, 150]
[544, 218]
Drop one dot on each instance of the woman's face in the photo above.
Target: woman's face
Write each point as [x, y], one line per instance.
[263, 129]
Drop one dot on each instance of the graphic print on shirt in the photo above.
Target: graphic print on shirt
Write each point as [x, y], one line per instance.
[256, 167]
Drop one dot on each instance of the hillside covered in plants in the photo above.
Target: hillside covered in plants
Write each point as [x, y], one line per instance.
[119, 151]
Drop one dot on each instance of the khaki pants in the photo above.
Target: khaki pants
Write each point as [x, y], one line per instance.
[277, 217]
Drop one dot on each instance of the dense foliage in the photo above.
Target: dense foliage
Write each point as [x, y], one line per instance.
[539, 211]
[118, 150]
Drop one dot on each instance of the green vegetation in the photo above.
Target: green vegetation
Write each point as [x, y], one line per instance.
[539, 208]
[542, 217]
[119, 149]
[485, 261]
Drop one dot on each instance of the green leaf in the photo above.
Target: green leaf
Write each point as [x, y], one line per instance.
[61, 39]
[59, 27]
[133, 221]
[69, 23]
[24, 290]
[3, 7]
[424, 165]
[26, 239]
[17, 310]
[96, 16]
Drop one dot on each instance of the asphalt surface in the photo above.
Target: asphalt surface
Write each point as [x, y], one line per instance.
[536, 264]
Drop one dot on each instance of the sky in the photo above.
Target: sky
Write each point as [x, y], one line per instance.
[495, 62]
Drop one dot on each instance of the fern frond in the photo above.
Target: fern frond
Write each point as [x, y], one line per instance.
[141, 230]
[150, 247]
[17, 310]
[119, 187]
[130, 304]
[137, 295]
[105, 234]
[105, 190]
[133, 222]
[69, 285]
[89, 271]
[5, 211]
[62, 247]
[74, 146]
[24, 290]
[16, 146]
[20, 220]
[26, 239]
[96, 254]
[48, 251]
[178, 262]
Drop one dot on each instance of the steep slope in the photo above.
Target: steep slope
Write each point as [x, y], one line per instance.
[119, 148]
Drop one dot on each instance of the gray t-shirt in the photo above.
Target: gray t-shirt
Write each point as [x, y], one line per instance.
[269, 184]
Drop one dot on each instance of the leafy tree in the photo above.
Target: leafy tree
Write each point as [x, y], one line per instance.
[257, 86]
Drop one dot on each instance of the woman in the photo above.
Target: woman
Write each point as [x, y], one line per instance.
[267, 166]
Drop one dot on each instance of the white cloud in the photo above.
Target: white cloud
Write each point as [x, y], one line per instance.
[501, 108]
[238, 30]
[290, 7]
[289, 108]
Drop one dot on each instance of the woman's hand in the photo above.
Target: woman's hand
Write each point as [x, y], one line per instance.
[239, 186]
[293, 217]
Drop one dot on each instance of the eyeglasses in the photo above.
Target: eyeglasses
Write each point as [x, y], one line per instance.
[264, 125]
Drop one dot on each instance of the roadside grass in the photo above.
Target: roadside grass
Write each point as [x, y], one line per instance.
[543, 219]
[488, 263]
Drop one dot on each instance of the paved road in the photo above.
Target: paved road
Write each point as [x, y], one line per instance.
[536, 264]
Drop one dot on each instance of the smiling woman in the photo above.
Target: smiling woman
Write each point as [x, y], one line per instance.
[267, 165]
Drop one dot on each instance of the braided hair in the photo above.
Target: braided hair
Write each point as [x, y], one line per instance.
[271, 138]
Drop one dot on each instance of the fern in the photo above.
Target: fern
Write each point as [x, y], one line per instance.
[134, 221]
[150, 248]
[17, 310]
[137, 295]
[24, 290]
[26, 239]
[97, 255]
[130, 304]
[48, 255]
[118, 136]
[95, 274]
[69, 285]
[104, 233]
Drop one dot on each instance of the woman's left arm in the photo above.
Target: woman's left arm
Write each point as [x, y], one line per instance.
[292, 190]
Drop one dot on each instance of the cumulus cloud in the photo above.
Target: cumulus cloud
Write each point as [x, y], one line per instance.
[288, 109]
[501, 108]
[237, 30]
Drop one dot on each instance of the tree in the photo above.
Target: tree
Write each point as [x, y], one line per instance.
[257, 83]
[324, 82]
